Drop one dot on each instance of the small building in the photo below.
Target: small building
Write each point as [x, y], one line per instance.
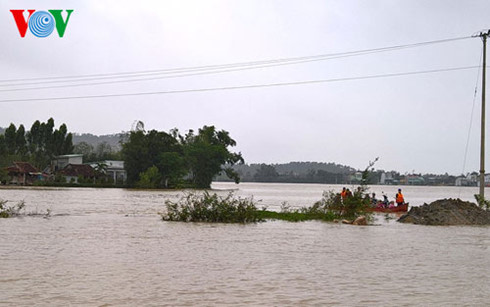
[23, 173]
[73, 172]
[112, 169]
[60, 162]
[387, 178]
[356, 177]
[115, 170]
[469, 180]
[415, 180]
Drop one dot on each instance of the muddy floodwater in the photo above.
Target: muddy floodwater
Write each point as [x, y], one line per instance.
[108, 247]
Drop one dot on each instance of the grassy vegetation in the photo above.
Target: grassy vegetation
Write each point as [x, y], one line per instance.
[10, 211]
[211, 208]
[482, 202]
[315, 212]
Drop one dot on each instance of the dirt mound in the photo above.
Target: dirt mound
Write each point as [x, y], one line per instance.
[447, 212]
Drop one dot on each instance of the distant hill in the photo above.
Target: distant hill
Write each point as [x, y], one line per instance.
[294, 172]
[94, 140]
[297, 168]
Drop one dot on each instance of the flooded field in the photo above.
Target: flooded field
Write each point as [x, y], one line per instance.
[108, 247]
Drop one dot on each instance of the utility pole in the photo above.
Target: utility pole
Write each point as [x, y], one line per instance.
[484, 36]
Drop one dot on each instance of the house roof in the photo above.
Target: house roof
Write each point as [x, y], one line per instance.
[68, 156]
[76, 170]
[22, 167]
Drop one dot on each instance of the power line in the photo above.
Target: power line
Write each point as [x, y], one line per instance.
[471, 117]
[200, 70]
[244, 86]
[187, 74]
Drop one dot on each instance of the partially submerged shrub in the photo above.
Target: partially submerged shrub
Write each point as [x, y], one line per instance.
[482, 202]
[10, 211]
[192, 207]
[19, 210]
[316, 212]
[349, 207]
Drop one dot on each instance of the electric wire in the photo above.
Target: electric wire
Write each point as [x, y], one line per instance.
[200, 70]
[238, 87]
[182, 75]
[471, 118]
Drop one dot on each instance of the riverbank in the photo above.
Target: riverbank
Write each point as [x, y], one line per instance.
[447, 212]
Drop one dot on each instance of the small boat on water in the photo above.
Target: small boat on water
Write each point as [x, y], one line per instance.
[390, 209]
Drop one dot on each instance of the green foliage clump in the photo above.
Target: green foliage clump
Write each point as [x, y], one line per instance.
[349, 207]
[37, 146]
[207, 155]
[316, 212]
[150, 178]
[102, 151]
[211, 208]
[10, 211]
[194, 159]
[482, 202]
[353, 205]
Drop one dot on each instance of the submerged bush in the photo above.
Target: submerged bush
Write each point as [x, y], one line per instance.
[10, 211]
[349, 207]
[482, 202]
[212, 208]
[317, 211]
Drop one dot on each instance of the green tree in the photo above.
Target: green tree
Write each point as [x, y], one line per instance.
[103, 151]
[33, 137]
[11, 139]
[3, 146]
[85, 149]
[134, 153]
[266, 173]
[150, 179]
[20, 141]
[172, 168]
[143, 150]
[207, 155]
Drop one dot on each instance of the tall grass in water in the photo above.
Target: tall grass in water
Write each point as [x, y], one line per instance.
[212, 208]
[192, 207]
[10, 211]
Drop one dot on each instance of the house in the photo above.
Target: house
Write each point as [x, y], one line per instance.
[469, 180]
[356, 177]
[60, 162]
[387, 178]
[487, 180]
[23, 173]
[113, 169]
[73, 172]
[415, 180]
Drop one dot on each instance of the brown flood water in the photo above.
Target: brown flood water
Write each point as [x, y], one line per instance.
[108, 247]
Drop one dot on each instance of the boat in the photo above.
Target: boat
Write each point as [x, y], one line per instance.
[395, 209]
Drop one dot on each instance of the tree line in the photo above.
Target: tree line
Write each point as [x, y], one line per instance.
[36, 146]
[153, 159]
[158, 159]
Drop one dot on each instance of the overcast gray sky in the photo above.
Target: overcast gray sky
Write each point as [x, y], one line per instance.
[413, 123]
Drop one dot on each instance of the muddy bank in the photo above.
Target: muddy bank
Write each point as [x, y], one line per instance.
[447, 212]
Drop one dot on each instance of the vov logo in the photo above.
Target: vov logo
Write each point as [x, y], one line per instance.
[41, 23]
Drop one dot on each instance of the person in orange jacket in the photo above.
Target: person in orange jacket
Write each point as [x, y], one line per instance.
[399, 198]
[343, 194]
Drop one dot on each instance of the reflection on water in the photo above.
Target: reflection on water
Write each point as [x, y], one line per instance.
[108, 247]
